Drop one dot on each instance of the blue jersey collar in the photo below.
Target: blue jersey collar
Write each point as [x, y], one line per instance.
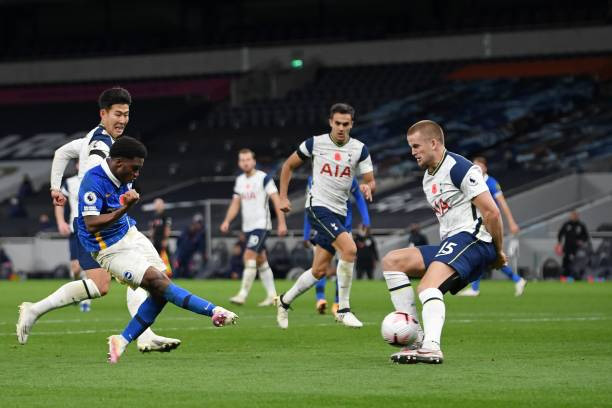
[110, 174]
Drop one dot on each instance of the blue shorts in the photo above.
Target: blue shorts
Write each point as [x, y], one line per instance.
[256, 240]
[463, 252]
[73, 242]
[84, 256]
[327, 226]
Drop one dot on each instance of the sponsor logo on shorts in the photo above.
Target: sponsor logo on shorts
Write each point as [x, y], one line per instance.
[253, 240]
[127, 275]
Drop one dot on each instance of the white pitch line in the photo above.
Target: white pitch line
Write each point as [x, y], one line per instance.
[460, 321]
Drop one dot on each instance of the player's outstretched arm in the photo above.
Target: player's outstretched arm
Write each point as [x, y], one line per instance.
[62, 226]
[503, 204]
[61, 158]
[493, 222]
[232, 212]
[96, 223]
[280, 216]
[368, 185]
[293, 162]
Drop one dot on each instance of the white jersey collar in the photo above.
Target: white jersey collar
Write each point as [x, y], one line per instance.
[110, 174]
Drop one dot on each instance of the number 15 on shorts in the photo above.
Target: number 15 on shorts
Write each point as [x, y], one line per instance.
[446, 249]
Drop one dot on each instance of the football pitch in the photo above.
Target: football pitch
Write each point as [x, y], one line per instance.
[550, 348]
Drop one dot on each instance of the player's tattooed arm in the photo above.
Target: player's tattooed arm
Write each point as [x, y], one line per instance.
[232, 212]
[96, 223]
[293, 162]
[368, 185]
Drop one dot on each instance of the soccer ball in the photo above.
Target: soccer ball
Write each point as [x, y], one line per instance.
[400, 329]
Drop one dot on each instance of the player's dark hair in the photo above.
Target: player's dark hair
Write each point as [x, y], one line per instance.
[247, 150]
[428, 128]
[112, 96]
[128, 147]
[343, 108]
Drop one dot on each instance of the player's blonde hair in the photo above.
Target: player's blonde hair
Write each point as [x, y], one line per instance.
[245, 151]
[428, 128]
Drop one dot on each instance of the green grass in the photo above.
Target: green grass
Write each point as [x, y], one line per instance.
[550, 348]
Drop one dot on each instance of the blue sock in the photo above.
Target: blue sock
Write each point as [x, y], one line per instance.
[476, 285]
[506, 270]
[320, 288]
[337, 301]
[147, 312]
[185, 299]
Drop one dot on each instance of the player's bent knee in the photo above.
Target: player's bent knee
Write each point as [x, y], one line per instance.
[393, 261]
[319, 272]
[101, 278]
[155, 282]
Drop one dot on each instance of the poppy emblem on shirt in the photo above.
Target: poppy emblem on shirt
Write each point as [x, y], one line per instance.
[434, 189]
[248, 186]
[337, 156]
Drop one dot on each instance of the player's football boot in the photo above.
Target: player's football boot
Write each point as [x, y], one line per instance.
[157, 343]
[282, 313]
[269, 301]
[407, 355]
[519, 287]
[335, 308]
[223, 317]
[347, 318]
[321, 306]
[469, 292]
[116, 347]
[237, 300]
[26, 320]
[429, 356]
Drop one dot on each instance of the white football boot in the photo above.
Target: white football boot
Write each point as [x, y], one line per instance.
[429, 356]
[269, 301]
[282, 314]
[519, 287]
[223, 317]
[238, 300]
[162, 344]
[348, 319]
[116, 347]
[469, 292]
[407, 355]
[26, 320]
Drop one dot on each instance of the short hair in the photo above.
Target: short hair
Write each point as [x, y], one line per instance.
[428, 128]
[343, 108]
[129, 148]
[480, 159]
[246, 150]
[112, 96]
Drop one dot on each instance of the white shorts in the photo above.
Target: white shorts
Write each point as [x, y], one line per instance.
[128, 259]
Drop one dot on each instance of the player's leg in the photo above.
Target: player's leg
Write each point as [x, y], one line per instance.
[473, 290]
[254, 244]
[344, 274]
[95, 285]
[305, 281]
[397, 266]
[519, 283]
[321, 303]
[267, 279]
[77, 273]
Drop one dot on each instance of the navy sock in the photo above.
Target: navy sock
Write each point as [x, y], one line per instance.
[185, 299]
[320, 288]
[147, 312]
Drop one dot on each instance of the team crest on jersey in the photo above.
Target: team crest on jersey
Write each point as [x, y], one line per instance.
[89, 197]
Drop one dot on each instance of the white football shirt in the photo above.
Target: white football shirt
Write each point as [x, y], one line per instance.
[254, 192]
[449, 190]
[333, 170]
